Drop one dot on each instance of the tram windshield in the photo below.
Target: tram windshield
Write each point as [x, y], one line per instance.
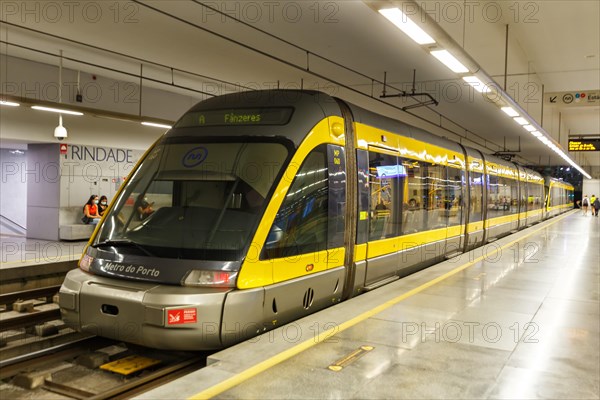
[194, 200]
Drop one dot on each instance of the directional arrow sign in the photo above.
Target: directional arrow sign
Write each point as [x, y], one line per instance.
[579, 98]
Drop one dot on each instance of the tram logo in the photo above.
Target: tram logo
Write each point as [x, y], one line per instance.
[194, 157]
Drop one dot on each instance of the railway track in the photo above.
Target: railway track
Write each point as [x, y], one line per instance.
[93, 368]
[28, 301]
[30, 321]
[41, 358]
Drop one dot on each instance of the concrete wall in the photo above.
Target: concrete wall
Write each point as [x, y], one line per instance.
[87, 170]
[58, 185]
[43, 191]
[14, 189]
[591, 187]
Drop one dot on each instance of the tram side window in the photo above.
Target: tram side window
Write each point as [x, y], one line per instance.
[514, 195]
[538, 201]
[476, 203]
[438, 205]
[523, 197]
[559, 190]
[500, 196]
[301, 224]
[554, 197]
[570, 197]
[454, 196]
[426, 203]
[385, 175]
[561, 196]
[534, 197]
[496, 191]
[415, 197]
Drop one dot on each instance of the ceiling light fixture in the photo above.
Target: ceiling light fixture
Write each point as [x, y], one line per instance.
[406, 25]
[501, 98]
[477, 84]
[449, 61]
[154, 124]
[521, 121]
[9, 103]
[510, 111]
[529, 128]
[57, 110]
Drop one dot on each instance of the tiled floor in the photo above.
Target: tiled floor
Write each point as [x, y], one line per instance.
[523, 324]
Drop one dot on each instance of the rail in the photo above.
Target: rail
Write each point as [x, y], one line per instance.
[47, 292]
[33, 317]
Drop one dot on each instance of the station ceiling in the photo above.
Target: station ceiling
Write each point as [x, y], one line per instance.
[345, 48]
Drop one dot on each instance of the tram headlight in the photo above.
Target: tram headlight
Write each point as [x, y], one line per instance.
[197, 277]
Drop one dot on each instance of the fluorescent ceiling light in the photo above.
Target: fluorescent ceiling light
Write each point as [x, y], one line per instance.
[406, 25]
[57, 110]
[9, 103]
[449, 61]
[521, 121]
[510, 111]
[476, 83]
[536, 133]
[529, 128]
[156, 125]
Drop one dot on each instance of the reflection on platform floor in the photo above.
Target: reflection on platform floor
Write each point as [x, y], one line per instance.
[523, 324]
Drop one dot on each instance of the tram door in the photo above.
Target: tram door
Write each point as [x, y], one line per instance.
[476, 203]
[455, 213]
[522, 197]
[305, 247]
[386, 178]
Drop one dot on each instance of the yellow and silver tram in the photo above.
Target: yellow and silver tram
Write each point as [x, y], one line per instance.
[258, 208]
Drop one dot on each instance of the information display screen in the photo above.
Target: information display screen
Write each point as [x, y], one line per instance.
[390, 171]
[584, 144]
[236, 117]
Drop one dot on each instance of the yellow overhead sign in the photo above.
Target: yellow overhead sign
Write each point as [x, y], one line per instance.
[584, 144]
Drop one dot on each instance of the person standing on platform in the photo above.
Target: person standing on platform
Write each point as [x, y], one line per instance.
[592, 200]
[90, 211]
[596, 207]
[585, 203]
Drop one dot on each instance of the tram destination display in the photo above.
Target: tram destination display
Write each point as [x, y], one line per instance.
[239, 117]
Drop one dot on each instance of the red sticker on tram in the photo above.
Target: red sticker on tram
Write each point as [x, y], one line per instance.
[182, 316]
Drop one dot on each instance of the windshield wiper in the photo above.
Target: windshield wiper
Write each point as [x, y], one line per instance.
[123, 243]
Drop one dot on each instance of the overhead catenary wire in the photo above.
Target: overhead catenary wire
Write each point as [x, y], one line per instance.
[469, 136]
[312, 72]
[113, 52]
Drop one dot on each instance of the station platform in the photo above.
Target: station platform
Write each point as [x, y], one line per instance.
[33, 263]
[18, 251]
[515, 319]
